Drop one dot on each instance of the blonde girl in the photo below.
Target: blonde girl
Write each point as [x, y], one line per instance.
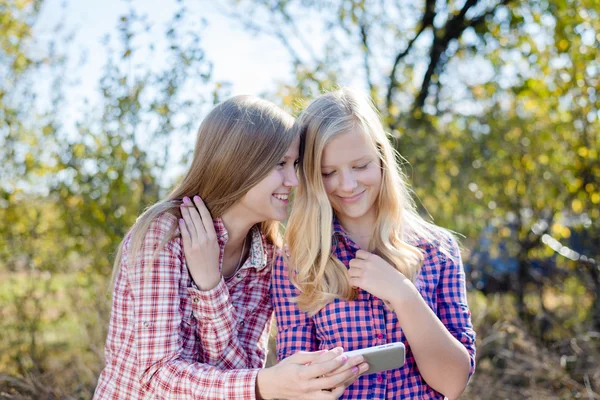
[363, 267]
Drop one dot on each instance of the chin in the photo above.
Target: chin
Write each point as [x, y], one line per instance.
[352, 213]
[277, 216]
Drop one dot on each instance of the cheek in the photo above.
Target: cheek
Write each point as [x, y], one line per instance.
[329, 185]
[373, 178]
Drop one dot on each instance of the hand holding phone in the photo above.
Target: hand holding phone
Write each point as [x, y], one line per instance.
[382, 357]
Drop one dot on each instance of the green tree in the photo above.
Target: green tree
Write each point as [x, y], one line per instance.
[494, 105]
[73, 184]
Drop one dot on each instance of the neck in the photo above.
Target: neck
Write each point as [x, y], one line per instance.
[237, 226]
[359, 229]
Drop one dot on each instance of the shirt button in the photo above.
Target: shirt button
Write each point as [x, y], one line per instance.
[380, 336]
[195, 300]
[240, 325]
[146, 324]
[379, 378]
[239, 276]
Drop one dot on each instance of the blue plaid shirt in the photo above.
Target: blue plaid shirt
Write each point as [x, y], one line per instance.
[367, 322]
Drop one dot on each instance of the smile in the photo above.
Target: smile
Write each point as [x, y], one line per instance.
[281, 197]
[352, 199]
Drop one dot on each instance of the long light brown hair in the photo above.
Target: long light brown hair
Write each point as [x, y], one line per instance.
[239, 142]
[319, 276]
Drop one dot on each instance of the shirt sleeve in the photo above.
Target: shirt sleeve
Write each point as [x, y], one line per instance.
[295, 329]
[154, 280]
[452, 306]
[217, 330]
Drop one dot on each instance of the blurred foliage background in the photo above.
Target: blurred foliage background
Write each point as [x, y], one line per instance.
[494, 106]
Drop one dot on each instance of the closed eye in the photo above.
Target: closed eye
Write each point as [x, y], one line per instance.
[327, 174]
[363, 166]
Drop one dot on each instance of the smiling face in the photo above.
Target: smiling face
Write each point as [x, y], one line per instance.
[352, 176]
[269, 198]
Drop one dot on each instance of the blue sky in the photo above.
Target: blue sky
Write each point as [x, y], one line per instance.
[253, 64]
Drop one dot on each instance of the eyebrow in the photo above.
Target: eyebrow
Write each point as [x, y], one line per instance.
[363, 158]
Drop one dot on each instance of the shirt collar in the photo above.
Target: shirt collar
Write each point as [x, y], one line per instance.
[340, 233]
[258, 244]
[221, 231]
[337, 227]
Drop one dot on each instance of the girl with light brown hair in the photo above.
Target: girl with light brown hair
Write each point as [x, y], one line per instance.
[191, 311]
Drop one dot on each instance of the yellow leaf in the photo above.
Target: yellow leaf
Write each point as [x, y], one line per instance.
[577, 206]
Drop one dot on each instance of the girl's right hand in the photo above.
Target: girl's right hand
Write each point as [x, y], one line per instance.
[322, 375]
[200, 244]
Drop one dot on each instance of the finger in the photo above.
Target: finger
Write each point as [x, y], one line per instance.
[198, 224]
[316, 370]
[352, 362]
[209, 227]
[305, 357]
[355, 282]
[362, 254]
[185, 234]
[356, 263]
[355, 272]
[362, 368]
[326, 394]
[189, 223]
[329, 355]
[336, 380]
[338, 391]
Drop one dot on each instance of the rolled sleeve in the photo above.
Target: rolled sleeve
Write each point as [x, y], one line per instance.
[452, 306]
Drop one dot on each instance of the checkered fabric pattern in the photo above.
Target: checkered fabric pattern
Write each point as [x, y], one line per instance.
[169, 340]
[367, 322]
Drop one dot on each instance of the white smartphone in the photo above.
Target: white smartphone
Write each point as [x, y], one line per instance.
[381, 358]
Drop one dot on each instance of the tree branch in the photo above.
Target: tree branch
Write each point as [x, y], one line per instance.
[426, 21]
[453, 30]
[366, 53]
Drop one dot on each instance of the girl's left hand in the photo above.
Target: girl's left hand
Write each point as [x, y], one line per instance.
[372, 273]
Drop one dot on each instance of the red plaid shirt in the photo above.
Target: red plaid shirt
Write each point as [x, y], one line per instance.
[169, 340]
[367, 321]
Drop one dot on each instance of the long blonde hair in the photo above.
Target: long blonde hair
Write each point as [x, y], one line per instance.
[319, 276]
[239, 142]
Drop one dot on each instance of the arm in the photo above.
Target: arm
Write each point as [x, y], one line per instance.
[154, 284]
[443, 344]
[295, 330]
[212, 306]
[218, 333]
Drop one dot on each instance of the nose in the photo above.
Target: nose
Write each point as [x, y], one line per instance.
[290, 178]
[347, 181]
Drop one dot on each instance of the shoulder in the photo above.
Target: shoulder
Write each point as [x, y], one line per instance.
[163, 224]
[436, 244]
[163, 229]
[280, 264]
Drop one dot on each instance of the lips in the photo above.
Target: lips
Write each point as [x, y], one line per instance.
[284, 197]
[351, 199]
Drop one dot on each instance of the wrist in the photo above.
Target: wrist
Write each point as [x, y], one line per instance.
[406, 296]
[205, 283]
[265, 384]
